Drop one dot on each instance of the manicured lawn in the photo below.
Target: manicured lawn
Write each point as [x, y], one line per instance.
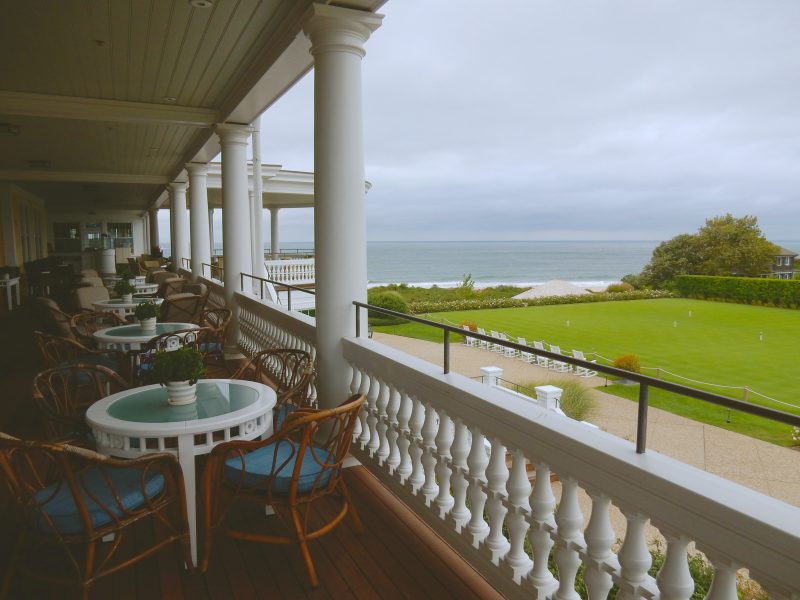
[711, 342]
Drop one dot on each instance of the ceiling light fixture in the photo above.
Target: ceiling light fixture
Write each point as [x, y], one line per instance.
[201, 3]
[9, 129]
[169, 100]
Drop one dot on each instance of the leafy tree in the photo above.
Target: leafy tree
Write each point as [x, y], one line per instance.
[725, 245]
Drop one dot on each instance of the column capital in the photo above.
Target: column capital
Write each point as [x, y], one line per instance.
[197, 168]
[178, 186]
[336, 29]
[233, 133]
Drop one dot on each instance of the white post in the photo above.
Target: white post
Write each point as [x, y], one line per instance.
[490, 375]
[198, 196]
[274, 241]
[154, 241]
[253, 250]
[337, 43]
[235, 217]
[258, 203]
[211, 231]
[180, 245]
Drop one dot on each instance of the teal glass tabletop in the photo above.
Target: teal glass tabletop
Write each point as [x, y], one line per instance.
[136, 330]
[214, 399]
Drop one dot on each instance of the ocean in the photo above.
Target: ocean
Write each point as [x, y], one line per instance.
[588, 263]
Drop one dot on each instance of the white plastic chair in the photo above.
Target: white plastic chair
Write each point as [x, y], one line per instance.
[505, 350]
[483, 343]
[557, 365]
[496, 347]
[527, 357]
[469, 340]
[583, 371]
[541, 361]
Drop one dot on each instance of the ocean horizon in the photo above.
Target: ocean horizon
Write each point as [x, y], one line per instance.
[522, 263]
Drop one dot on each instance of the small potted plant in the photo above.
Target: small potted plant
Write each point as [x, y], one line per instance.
[125, 289]
[178, 370]
[147, 312]
[128, 276]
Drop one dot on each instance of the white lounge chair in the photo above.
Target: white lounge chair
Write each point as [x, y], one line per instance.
[527, 357]
[505, 350]
[469, 340]
[583, 371]
[496, 347]
[541, 361]
[557, 365]
[483, 343]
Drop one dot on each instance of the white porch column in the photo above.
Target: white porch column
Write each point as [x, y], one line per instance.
[198, 216]
[180, 243]
[235, 219]
[258, 203]
[274, 240]
[154, 241]
[211, 231]
[145, 234]
[337, 43]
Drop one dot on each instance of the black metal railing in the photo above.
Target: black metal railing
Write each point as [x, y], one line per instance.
[212, 269]
[186, 263]
[291, 252]
[645, 382]
[264, 280]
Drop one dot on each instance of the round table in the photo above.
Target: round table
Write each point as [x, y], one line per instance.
[146, 288]
[141, 420]
[121, 308]
[133, 337]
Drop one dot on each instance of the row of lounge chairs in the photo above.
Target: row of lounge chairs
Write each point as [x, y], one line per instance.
[528, 357]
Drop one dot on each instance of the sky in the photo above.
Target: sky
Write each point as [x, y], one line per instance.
[568, 120]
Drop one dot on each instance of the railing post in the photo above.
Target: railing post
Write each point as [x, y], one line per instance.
[446, 351]
[241, 282]
[641, 424]
[358, 321]
[261, 287]
[288, 298]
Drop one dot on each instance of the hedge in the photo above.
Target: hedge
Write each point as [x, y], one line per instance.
[480, 304]
[745, 290]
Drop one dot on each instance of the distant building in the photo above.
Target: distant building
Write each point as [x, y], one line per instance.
[783, 264]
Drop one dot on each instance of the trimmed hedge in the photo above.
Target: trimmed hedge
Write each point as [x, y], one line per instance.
[390, 300]
[744, 290]
[417, 308]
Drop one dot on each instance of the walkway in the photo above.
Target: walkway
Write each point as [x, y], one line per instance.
[770, 469]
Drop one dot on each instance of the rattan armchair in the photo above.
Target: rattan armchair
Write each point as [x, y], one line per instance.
[63, 394]
[84, 324]
[58, 351]
[181, 308]
[289, 471]
[68, 499]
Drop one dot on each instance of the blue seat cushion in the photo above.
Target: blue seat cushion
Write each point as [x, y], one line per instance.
[258, 466]
[211, 347]
[126, 483]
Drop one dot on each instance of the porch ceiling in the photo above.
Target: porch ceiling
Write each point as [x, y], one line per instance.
[122, 94]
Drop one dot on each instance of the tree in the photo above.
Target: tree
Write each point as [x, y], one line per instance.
[723, 246]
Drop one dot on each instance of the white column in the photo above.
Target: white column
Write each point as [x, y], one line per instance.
[274, 238]
[145, 235]
[337, 43]
[258, 203]
[154, 241]
[198, 215]
[235, 219]
[253, 249]
[180, 224]
[211, 231]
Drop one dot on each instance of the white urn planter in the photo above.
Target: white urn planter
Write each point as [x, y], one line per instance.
[148, 324]
[127, 298]
[181, 392]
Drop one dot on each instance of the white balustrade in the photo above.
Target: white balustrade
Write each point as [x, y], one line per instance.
[216, 292]
[297, 271]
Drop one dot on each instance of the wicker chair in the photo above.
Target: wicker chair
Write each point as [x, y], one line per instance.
[288, 471]
[182, 308]
[217, 319]
[85, 297]
[289, 372]
[63, 394]
[84, 324]
[58, 351]
[203, 338]
[70, 498]
[54, 320]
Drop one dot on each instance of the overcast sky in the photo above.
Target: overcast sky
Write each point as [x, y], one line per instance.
[533, 120]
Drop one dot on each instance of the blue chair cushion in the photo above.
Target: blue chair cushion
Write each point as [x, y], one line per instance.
[258, 466]
[211, 347]
[282, 413]
[63, 512]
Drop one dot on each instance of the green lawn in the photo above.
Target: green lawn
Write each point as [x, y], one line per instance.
[727, 344]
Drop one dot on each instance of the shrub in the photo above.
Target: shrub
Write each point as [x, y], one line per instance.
[473, 326]
[183, 364]
[628, 362]
[746, 290]
[389, 300]
[576, 399]
[616, 288]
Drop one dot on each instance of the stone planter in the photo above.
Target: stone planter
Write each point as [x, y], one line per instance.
[148, 324]
[181, 392]
[128, 298]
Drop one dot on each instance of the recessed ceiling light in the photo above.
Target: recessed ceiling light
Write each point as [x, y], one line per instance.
[201, 3]
[9, 129]
[169, 99]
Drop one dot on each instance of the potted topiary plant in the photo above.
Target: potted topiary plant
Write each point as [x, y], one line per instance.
[125, 289]
[178, 370]
[147, 312]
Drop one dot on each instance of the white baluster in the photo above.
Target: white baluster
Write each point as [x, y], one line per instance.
[444, 439]
[354, 383]
[363, 415]
[599, 537]
[723, 586]
[391, 419]
[372, 415]
[403, 441]
[519, 489]
[674, 579]
[415, 452]
[459, 450]
[496, 476]
[382, 426]
[477, 461]
[634, 557]
[569, 521]
[543, 502]
[429, 428]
